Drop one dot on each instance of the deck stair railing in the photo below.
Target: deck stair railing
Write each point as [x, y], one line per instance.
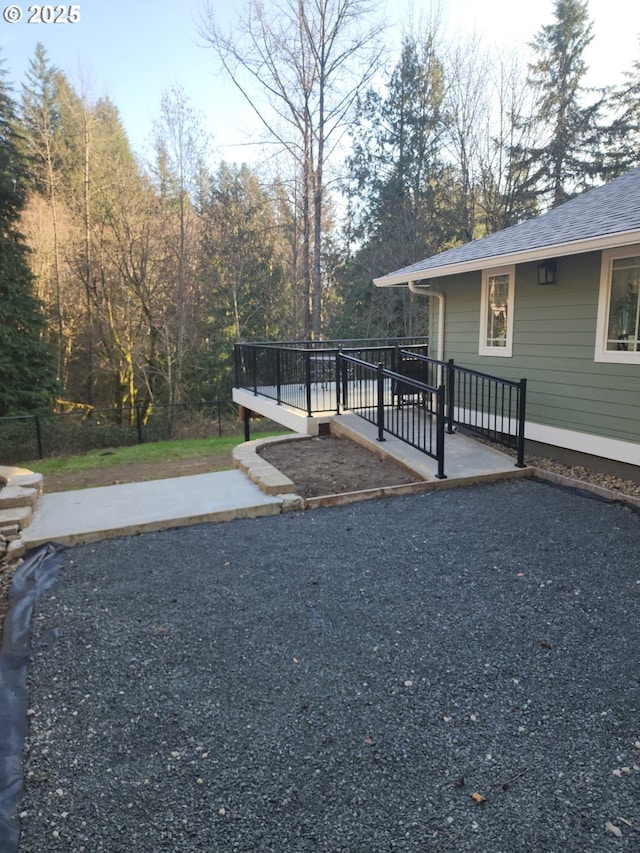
[370, 391]
[486, 405]
[311, 376]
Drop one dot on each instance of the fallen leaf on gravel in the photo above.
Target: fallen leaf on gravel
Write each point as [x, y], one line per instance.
[478, 798]
[611, 827]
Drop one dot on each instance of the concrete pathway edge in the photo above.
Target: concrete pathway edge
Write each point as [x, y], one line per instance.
[257, 489]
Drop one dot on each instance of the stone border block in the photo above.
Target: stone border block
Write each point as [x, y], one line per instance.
[266, 476]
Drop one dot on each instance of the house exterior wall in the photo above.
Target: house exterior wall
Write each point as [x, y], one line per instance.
[554, 339]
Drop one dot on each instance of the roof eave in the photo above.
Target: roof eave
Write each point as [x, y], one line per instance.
[593, 244]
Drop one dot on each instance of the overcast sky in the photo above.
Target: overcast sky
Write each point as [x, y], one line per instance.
[134, 50]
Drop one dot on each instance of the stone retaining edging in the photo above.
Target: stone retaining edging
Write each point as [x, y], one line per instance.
[20, 490]
[266, 476]
[271, 481]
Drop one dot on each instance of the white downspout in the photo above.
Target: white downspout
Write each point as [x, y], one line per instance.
[413, 287]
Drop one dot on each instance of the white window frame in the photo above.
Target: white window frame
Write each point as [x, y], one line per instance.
[484, 348]
[604, 300]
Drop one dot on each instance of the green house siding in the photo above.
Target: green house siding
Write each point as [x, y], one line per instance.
[553, 348]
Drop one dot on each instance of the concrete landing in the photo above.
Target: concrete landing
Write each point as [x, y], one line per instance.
[88, 515]
[465, 460]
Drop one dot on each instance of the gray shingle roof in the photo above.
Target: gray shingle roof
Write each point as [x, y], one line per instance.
[613, 208]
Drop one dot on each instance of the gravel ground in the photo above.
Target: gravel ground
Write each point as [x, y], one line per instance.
[454, 671]
[615, 483]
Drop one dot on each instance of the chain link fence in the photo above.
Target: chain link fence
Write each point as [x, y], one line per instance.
[65, 434]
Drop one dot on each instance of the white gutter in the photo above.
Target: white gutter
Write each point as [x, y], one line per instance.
[413, 287]
[593, 244]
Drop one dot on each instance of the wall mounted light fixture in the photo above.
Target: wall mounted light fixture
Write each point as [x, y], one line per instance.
[547, 272]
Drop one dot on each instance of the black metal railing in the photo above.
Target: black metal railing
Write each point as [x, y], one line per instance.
[302, 374]
[486, 405]
[307, 375]
[370, 391]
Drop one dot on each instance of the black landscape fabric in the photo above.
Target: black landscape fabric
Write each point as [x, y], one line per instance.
[37, 573]
[455, 671]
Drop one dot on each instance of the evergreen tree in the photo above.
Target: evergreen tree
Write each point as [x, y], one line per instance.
[248, 290]
[622, 135]
[400, 207]
[26, 363]
[565, 158]
[40, 116]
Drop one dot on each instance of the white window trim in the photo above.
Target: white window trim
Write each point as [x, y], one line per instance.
[484, 349]
[602, 353]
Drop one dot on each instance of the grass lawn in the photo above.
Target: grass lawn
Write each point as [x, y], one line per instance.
[138, 462]
[158, 451]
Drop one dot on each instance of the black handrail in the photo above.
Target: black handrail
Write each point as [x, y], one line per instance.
[286, 372]
[306, 375]
[341, 343]
[375, 405]
[458, 392]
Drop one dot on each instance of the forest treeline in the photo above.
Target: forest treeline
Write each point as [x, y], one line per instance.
[125, 282]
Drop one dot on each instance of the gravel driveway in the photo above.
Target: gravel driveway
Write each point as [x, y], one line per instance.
[455, 671]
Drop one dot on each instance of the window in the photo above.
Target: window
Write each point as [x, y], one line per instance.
[496, 317]
[618, 330]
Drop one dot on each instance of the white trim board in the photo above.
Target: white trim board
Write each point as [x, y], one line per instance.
[596, 445]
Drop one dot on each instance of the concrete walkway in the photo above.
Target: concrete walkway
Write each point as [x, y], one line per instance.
[89, 515]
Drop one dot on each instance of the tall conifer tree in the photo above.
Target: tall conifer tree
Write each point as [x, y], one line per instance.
[564, 159]
[26, 363]
[399, 194]
[622, 135]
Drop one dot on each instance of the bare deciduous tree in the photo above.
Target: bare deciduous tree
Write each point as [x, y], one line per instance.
[301, 64]
[179, 143]
[503, 180]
